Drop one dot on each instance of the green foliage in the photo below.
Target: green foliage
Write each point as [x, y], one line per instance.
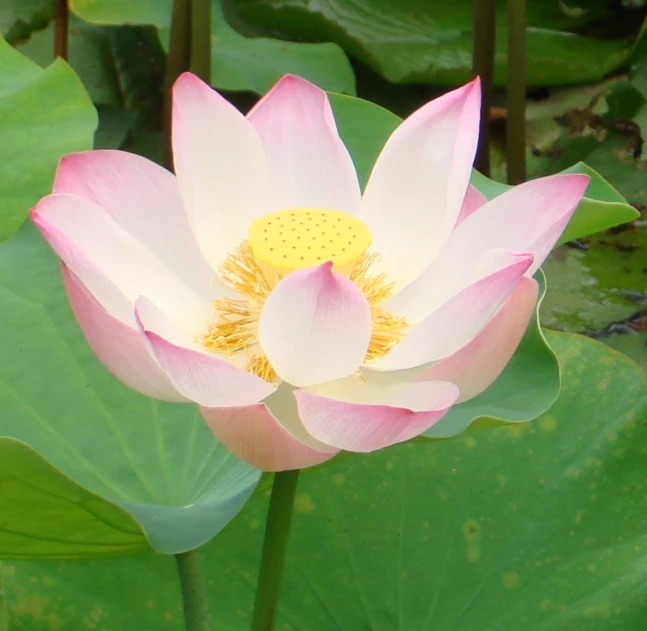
[43, 115]
[157, 461]
[44, 514]
[414, 41]
[239, 62]
[19, 18]
[537, 527]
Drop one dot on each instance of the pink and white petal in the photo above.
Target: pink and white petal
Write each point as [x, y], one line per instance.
[477, 365]
[269, 435]
[309, 164]
[144, 199]
[315, 326]
[111, 263]
[358, 416]
[119, 347]
[438, 283]
[221, 168]
[417, 186]
[527, 218]
[209, 379]
[473, 200]
[456, 322]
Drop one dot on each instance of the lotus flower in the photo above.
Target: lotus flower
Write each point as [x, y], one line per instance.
[303, 316]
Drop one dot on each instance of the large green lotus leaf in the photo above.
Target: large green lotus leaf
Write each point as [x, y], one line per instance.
[238, 62]
[43, 513]
[158, 461]
[417, 41]
[43, 114]
[365, 128]
[535, 527]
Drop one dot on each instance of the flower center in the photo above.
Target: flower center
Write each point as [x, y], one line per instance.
[281, 243]
[305, 237]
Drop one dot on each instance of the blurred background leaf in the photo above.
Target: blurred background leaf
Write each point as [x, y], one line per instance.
[239, 62]
[416, 41]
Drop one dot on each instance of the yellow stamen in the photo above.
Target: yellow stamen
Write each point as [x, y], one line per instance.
[388, 328]
[282, 243]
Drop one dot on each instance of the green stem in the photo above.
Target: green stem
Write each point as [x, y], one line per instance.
[201, 39]
[61, 32]
[4, 615]
[194, 593]
[483, 66]
[516, 120]
[277, 530]
[177, 62]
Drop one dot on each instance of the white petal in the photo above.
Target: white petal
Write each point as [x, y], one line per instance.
[107, 258]
[309, 164]
[315, 326]
[416, 190]
[221, 168]
[144, 199]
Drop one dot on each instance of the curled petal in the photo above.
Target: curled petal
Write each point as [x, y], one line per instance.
[206, 378]
[144, 200]
[119, 347]
[477, 365]
[417, 186]
[457, 321]
[309, 164]
[315, 326]
[220, 165]
[358, 416]
[527, 218]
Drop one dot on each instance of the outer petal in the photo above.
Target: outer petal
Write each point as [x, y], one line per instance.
[357, 416]
[315, 326]
[119, 346]
[476, 366]
[270, 435]
[208, 379]
[527, 218]
[416, 189]
[473, 200]
[220, 165]
[457, 321]
[97, 250]
[144, 199]
[309, 164]
[254, 435]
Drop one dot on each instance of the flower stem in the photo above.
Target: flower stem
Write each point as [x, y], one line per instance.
[277, 530]
[4, 616]
[60, 37]
[483, 66]
[178, 60]
[201, 39]
[516, 120]
[194, 593]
